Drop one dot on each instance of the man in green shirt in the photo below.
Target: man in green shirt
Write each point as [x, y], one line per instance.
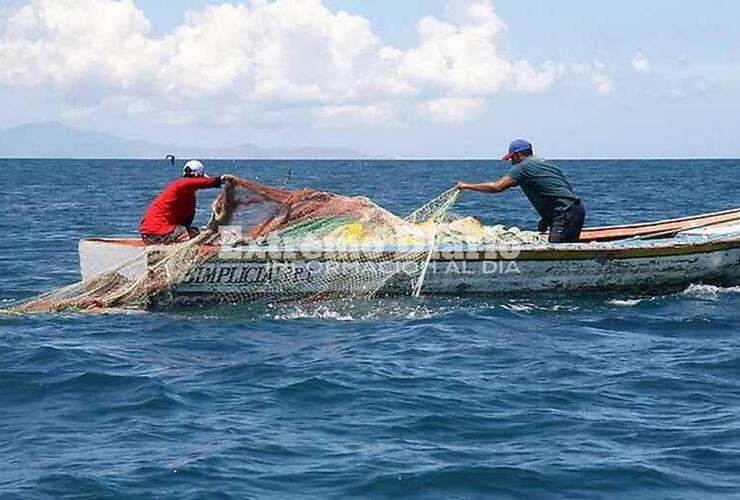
[561, 210]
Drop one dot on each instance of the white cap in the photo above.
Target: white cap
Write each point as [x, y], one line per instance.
[194, 168]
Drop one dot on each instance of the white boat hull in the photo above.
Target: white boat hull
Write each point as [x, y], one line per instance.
[471, 276]
[234, 275]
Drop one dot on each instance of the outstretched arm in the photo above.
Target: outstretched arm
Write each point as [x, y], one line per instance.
[498, 186]
[196, 183]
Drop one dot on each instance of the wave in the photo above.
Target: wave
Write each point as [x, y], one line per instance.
[100, 381]
[314, 390]
[625, 302]
[75, 486]
[452, 481]
[401, 308]
[709, 291]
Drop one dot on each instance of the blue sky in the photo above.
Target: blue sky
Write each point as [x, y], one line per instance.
[578, 78]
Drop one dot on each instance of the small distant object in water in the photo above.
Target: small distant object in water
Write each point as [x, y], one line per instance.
[170, 158]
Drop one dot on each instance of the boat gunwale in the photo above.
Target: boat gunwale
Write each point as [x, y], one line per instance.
[662, 228]
[666, 221]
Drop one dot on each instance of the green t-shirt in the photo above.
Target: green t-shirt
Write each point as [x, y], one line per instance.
[545, 186]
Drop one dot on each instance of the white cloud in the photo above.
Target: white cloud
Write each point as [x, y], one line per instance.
[528, 79]
[641, 63]
[247, 63]
[63, 42]
[464, 59]
[373, 114]
[596, 74]
[451, 109]
[603, 83]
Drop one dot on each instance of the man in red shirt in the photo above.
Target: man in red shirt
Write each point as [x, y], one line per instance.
[170, 217]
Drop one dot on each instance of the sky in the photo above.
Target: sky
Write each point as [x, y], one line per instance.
[410, 78]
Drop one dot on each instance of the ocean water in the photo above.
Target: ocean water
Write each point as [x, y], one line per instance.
[592, 396]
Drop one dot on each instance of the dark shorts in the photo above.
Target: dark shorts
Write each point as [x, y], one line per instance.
[566, 226]
[175, 236]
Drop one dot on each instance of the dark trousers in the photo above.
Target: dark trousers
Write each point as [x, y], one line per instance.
[566, 226]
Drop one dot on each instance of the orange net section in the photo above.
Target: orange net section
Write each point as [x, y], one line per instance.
[263, 210]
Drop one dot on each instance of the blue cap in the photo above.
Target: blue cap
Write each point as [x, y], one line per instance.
[517, 146]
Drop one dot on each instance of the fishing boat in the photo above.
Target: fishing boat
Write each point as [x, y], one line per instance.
[646, 258]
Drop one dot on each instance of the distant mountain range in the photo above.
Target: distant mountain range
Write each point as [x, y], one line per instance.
[56, 140]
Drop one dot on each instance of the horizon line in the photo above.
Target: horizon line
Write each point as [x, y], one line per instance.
[373, 158]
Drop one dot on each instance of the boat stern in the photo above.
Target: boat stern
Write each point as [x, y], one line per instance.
[127, 256]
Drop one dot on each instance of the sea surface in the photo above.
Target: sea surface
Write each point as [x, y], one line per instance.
[587, 396]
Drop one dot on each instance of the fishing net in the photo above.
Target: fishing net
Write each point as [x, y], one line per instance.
[265, 242]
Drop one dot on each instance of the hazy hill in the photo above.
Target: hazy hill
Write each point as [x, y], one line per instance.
[56, 140]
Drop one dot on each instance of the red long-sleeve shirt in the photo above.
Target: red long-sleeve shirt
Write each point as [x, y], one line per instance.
[175, 206]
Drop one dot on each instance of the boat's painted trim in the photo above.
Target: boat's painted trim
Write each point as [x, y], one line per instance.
[646, 229]
[546, 253]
